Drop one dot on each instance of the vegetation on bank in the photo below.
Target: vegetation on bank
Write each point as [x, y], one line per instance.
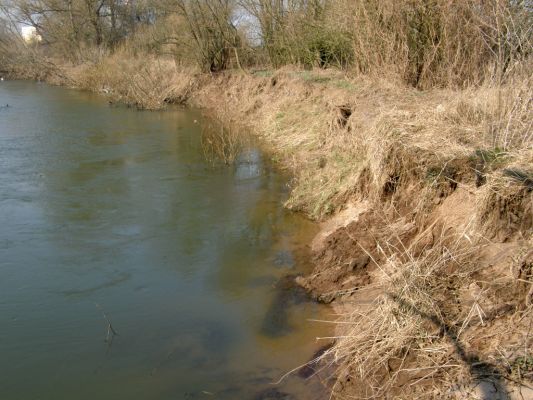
[407, 121]
[429, 43]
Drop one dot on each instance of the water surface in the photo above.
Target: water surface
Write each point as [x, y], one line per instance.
[106, 212]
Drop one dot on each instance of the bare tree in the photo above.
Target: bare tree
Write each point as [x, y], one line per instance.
[211, 25]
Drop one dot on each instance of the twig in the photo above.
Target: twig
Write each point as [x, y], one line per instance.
[110, 330]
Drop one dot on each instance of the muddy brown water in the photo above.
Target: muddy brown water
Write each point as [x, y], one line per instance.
[106, 210]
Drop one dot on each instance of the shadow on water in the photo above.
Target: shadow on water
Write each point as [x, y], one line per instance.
[273, 394]
[284, 259]
[480, 371]
[287, 293]
[313, 366]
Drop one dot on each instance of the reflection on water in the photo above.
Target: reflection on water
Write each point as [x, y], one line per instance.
[276, 322]
[110, 210]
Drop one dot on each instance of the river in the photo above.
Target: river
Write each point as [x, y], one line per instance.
[111, 216]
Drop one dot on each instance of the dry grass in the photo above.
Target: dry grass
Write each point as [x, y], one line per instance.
[506, 202]
[426, 44]
[391, 132]
[403, 321]
[145, 82]
[432, 328]
[25, 63]
[222, 143]
[403, 151]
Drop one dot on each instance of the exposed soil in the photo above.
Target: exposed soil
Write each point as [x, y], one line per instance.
[425, 233]
[496, 294]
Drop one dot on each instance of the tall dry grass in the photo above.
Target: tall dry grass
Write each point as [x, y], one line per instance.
[434, 43]
[222, 143]
[145, 82]
[438, 43]
[426, 44]
[404, 321]
[351, 137]
[416, 335]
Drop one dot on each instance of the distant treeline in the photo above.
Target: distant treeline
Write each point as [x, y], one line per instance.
[426, 42]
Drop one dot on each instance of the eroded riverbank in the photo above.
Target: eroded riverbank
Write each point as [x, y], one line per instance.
[426, 218]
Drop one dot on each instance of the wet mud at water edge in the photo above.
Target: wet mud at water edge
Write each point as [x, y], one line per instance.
[131, 268]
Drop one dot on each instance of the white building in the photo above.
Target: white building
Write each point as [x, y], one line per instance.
[30, 35]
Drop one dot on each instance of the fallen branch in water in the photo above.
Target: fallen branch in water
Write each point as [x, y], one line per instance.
[110, 330]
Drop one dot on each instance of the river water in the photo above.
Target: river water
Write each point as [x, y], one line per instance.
[113, 216]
